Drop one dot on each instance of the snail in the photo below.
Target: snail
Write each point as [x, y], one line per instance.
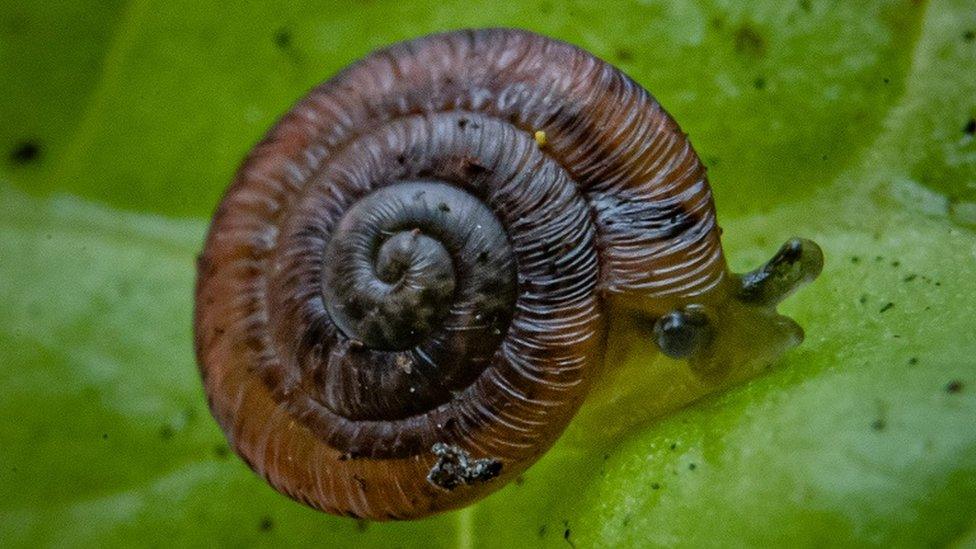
[404, 295]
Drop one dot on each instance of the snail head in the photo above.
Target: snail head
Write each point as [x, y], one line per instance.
[741, 325]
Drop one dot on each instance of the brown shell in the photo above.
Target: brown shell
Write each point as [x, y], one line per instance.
[612, 201]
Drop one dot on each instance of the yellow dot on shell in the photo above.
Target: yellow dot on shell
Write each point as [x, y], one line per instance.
[540, 138]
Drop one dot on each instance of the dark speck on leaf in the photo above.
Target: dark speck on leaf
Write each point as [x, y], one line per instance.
[954, 387]
[166, 432]
[266, 524]
[104, 436]
[970, 127]
[855, 259]
[692, 466]
[655, 486]
[759, 83]
[25, 152]
[282, 38]
[879, 424]
[624, 54]
[362, 525]
[913, 361]
[863, 299]
[969, 35]
[886, 80]
[221, 451]
[887, 307]
[749, 42]
[674, 445]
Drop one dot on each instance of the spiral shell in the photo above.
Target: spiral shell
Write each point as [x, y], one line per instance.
[402, 298]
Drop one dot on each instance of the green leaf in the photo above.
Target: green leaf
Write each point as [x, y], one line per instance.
[843, 122]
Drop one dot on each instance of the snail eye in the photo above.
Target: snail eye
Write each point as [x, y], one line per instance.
[683, 332]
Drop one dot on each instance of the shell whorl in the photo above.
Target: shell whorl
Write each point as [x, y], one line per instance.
[399, 264]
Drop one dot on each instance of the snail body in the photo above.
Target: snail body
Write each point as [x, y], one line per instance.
[403, 296]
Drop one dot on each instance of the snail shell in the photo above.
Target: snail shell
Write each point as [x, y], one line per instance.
[403, 297]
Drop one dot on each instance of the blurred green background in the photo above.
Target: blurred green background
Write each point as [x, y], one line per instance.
[849, 123]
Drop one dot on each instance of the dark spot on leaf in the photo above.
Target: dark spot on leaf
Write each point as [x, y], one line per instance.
[542, 530]
[266, 524]
[655, 486]
[953, 387]
[749, 42]
[969, 35]
[805, 5]
[624, 54]
[896, 263]
[674, 445]
[855, 259]
[970, 127]
[886, 307]
[863, 299]
[362, 525]
[759, 83]
[166, 432]
[879, 424]
[25, 152]
[221, 451]
[282, 38]
[692, 466]
[913, 361]
[886, 80]
[104, 436]
[717, 23]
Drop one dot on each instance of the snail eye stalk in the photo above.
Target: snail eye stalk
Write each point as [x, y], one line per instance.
[798, 262]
